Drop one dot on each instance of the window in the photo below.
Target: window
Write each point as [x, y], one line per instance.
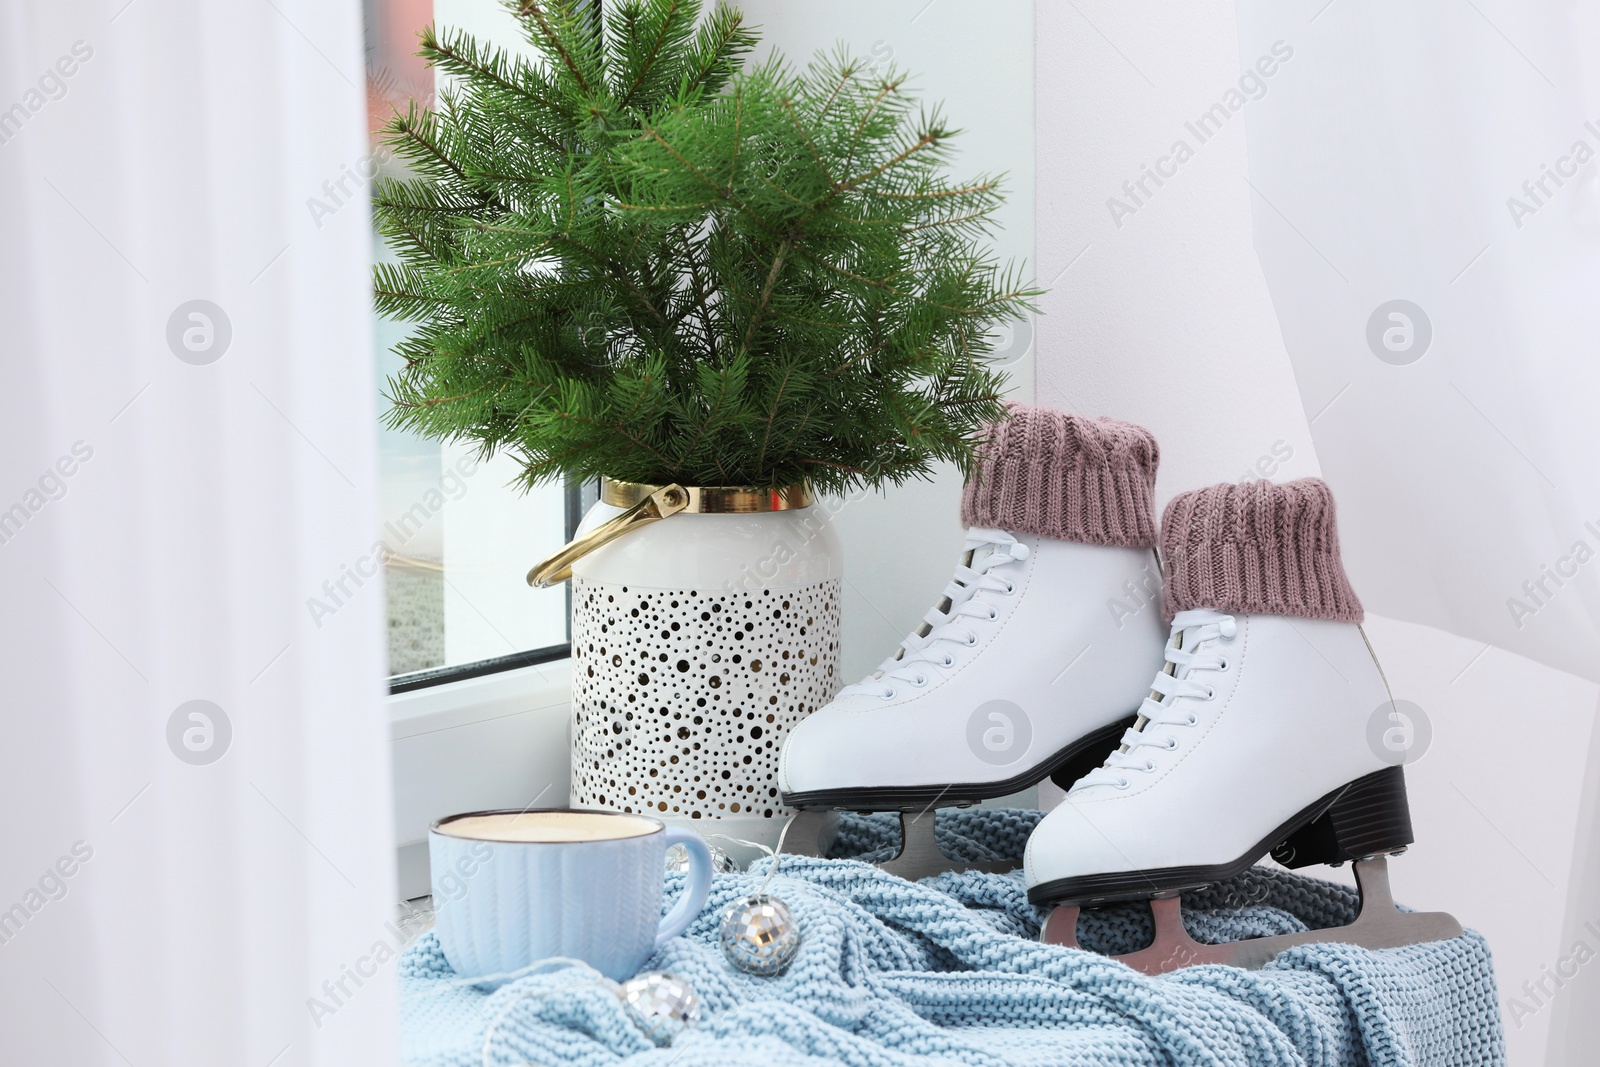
[460, 541]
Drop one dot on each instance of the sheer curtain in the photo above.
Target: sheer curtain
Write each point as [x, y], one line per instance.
[1428, 216]
[1232, 200]
[197, 857]
[1427, 212]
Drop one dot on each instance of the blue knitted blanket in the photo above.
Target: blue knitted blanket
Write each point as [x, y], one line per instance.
[948, 971]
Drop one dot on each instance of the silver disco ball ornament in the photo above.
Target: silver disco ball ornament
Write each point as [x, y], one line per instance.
[721, 862]
[660, 1004]
[759, 935]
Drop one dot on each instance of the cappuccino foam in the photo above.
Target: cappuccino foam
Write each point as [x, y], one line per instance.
[549, 827]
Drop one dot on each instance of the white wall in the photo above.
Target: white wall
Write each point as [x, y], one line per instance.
[1160, 316]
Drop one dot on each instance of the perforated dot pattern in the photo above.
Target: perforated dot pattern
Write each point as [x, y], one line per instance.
[681, 699]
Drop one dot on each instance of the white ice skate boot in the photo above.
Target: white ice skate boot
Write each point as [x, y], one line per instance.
[1254, 738]
[1032, 664]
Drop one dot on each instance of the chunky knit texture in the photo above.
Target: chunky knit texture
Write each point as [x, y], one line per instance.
[947, 971]
[1064, 476]
[1259, 548]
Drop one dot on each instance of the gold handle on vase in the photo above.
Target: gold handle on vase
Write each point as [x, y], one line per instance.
[666, 501]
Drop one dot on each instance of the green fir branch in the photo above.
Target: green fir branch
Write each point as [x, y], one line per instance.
[634, 257]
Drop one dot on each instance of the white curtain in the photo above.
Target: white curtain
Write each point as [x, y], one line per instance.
[197, 859]
[1228, 196]
[1426, 204]
[1441, 153]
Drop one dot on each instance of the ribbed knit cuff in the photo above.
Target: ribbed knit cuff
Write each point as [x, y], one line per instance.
[1256, 548]
[1066, 477]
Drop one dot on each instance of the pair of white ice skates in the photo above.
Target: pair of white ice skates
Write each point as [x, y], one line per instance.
[1189, 751]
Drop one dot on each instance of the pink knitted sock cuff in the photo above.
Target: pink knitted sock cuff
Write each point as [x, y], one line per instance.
[1066, 477]
[1256, 548]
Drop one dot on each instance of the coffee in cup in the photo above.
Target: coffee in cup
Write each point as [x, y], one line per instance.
[511, 888]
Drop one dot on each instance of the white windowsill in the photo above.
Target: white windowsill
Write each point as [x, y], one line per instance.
[497, 741]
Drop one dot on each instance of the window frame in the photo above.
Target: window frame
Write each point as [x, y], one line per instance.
[578, 498]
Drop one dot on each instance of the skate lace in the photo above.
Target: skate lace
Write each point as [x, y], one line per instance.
[1186, 652]
[965, 597]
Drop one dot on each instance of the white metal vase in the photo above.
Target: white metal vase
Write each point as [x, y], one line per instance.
[705, 625]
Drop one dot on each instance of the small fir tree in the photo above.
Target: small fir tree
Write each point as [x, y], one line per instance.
[634, 258]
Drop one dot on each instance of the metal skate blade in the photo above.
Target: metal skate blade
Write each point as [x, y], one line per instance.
[920, 856]
[1378, 925]
[811, 833]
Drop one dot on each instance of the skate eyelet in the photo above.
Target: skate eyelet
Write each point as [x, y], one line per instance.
[949, 661]
[1211, 692]
[972, 640]
[1011, 587]
[1172, 743]
[1223, 665]
[1149, 765]
[993, 615]
[1123, 783]
[1193, 719]
[890, 695]
[922, 680]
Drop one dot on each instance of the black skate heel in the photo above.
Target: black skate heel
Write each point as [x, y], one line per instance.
[1366, 821]
[1369, 817]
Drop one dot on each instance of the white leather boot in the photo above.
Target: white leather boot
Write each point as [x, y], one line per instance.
[1255, 735]
[1260, 720]
[1037, 655]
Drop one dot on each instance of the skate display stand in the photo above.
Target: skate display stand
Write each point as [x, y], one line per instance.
[1379, 924]
[811, 833]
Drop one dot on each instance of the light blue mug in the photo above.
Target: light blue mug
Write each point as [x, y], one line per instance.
[511, 888]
